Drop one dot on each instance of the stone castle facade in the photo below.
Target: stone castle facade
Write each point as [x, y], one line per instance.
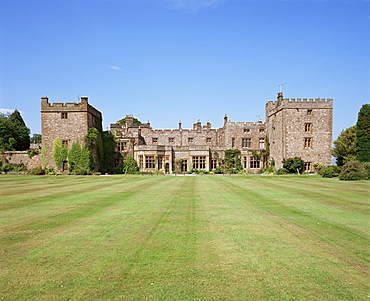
[293, 128]
[68, 121]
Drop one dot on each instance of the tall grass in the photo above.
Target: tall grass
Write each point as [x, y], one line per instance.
[184, 238]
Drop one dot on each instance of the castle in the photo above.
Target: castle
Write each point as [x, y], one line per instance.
[293, 128]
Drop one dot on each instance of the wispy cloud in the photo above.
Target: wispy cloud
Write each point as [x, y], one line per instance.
[116, 68]
[194, 6]
[6, 111]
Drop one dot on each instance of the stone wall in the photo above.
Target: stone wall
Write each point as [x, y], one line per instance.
[68, 121]
[17, 157]
[292, 122]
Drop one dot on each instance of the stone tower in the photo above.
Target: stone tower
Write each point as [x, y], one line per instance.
[300, 128]
[68, 121]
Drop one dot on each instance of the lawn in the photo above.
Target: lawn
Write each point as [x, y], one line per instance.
[184, 238]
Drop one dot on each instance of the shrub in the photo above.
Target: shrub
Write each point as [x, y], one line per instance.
[218, 170]
[354, 171]
[120, 167]
[282, 171]
[82, 171]
[329, 171]
[37, 171]
[32, 152]
[13, 167]
[293, 165]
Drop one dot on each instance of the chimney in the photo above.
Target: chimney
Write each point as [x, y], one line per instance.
[225, 119]
[180, 125]
[280, 97]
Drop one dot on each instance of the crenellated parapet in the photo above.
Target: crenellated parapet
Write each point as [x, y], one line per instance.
[82, 106]
[298, 103]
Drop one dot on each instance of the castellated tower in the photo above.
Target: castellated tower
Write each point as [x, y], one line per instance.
[68, 121]
[300, 128]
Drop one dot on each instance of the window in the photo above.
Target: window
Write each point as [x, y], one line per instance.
[154, 140]
[261, 130]
[171, 140]
[262, 143]
[307, 166]
[64, 115]
[246, 142]
[160, 162]
[308, 142]
[141, 165]
[121, 146]
[308, 127]
[254, 162]
[309, 112]
[199, 162]
[65, 143]
[245, 162]
[149, 162]
[116, 162]
[184, 166]
[232, 142]
[190, 140]
[246, 130]
[213, 164]
[209, 140]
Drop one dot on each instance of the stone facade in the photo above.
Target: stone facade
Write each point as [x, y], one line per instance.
[300, 128]
[17, 157]
[68, 121]
[293, 128]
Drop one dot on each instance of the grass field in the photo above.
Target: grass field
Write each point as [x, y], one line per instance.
[184, 238]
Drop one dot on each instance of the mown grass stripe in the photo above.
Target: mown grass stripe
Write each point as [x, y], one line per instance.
[187, 238]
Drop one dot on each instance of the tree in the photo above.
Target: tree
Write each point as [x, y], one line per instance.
[363, 134]
[74, 156]
[107, 151]
[44, 156]
[20, 132]
[293, 165]
[59, 153]
[130, 165]
[14, 134]
[87, 160]
[36, 138]
[136, 121]
[232, 159]
[354, 170]
[345, 146]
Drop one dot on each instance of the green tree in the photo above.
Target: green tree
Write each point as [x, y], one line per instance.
[232, 159]
[344, 149]
[74, 156]
[20, 132]
[5, 135]
[59, 153]
[14, 134]
[87, 160]
[44, 156]
[293, 165]
[363, 134]
[107, 151]
[36, 138]
[130, 165]
[354, 170]
[136, 121]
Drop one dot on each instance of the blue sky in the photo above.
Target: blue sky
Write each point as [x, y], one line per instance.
[171, 60]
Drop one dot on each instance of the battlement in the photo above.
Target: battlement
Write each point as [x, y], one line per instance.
[297, 103]
[301, 100]
[82, 106]
[259, 122]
